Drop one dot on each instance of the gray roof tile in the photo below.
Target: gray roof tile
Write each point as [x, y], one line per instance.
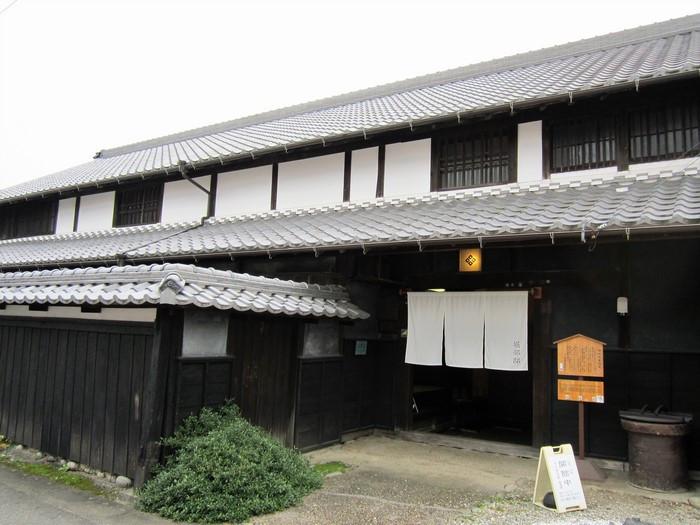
[178, 284]
[646, 52]
[614, 203]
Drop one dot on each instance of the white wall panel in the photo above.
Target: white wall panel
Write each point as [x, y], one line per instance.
[530, 151]
[407, 168]
[183, 201]
[146, 315]
[311, 182]
[96, 212]
[66, 215]
[244, 191]
[363, 174]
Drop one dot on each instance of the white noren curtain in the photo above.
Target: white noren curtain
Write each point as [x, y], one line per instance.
[505, 339]
[426, 315]
[464, 329]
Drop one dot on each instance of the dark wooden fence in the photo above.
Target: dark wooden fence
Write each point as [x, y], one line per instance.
[75, 389]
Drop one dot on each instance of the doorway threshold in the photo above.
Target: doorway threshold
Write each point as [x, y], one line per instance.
[469, 443]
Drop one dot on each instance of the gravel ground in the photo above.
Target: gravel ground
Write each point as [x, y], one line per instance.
[396, 482]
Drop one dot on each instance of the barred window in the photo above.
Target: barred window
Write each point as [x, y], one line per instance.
[28, 219]
[665, 132]
[474, 159]
[582, 143]
[138, 206]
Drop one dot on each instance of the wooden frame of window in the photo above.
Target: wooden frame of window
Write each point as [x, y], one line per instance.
[28, 219]
[664, 130]
[484, 155]
[582, 142]
[137, 205]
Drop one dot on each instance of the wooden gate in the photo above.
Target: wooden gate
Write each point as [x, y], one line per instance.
[74, 388]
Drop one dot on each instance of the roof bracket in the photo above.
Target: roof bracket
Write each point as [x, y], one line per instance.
[481, 241]
[315, 252]
[252, 155]
[571, 97]
[583, 233]
[323, 141]
[627, 233]
[512, 108]
[410, 124]
[551, 236]
[636, 85]
[285, 149]
[364, 133]
[269, 254]
[459, 117]
[230, 256]
[420, 246]
[221, 160]
[364, 249]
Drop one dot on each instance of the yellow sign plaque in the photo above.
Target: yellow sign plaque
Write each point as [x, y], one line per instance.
[470, 260]
[579, 355]
[584, 391]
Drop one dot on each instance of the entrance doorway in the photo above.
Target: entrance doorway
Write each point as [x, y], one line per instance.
[477, 403]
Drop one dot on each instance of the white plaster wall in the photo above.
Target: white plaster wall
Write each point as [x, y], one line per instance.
[363, 174]
[407, 168]
[244, 191]
[66, 215]
[529, 165]
[96, 212]
[146, 315]
[183, 201]
[311, 182]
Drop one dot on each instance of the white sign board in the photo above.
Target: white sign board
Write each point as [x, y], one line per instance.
[557, 473]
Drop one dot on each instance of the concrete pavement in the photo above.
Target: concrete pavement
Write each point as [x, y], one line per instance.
[31, 500]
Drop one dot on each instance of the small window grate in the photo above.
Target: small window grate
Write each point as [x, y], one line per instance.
[28, 219]
[469, 160]
[139, 206]
[665, 132]
[582, 143]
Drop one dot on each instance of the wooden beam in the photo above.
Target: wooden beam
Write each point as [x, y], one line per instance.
[273, 193]
[158, 384]
[347, 176]
[380, 171]
[211, 196]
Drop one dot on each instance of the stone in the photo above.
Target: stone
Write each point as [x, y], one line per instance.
[38, 455]
[100, 474]
[50, 459]
[19, 447]
[123, 482]
[72, 465]
[694, 501]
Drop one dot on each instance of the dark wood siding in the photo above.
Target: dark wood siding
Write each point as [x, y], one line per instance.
[319, 407]
[75, 389]
[203, 382]
[264, 378]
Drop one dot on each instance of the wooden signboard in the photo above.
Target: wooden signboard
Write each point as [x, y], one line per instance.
[585, 391]
[557, 473]
[579, 355]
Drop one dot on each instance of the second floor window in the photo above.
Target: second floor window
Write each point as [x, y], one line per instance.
[582, 143]
[665, 131]
[28, 219]
[474, 159]
[138, 205]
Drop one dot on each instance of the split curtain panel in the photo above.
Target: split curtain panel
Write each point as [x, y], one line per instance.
[481, 329]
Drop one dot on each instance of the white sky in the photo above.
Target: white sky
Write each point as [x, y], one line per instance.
[77, 76]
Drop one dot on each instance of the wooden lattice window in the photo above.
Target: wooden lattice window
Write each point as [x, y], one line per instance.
[469, 159]
[138, 205]
[665, 131]
[28, 219]
[582, 143]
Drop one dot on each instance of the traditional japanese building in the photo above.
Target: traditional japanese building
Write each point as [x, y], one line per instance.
[399, 258]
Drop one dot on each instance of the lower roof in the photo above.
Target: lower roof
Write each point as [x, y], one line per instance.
[624, 203]
[176, 284]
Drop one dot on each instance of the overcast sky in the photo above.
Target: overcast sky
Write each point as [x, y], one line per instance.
[77, 76]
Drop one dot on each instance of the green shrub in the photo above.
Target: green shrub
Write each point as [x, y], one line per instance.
[222, 468]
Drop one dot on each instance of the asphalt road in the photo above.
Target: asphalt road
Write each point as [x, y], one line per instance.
[30, 500]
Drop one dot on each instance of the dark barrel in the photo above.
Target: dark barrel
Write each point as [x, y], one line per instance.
[656, 449]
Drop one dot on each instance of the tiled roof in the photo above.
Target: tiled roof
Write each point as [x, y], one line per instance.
[659, 50]
[178, 284]
[618, 203]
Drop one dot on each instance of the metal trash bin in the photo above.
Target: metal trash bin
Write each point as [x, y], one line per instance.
[656, 448]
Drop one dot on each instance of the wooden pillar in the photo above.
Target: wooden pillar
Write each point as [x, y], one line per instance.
[541, 374]
[159, 390]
